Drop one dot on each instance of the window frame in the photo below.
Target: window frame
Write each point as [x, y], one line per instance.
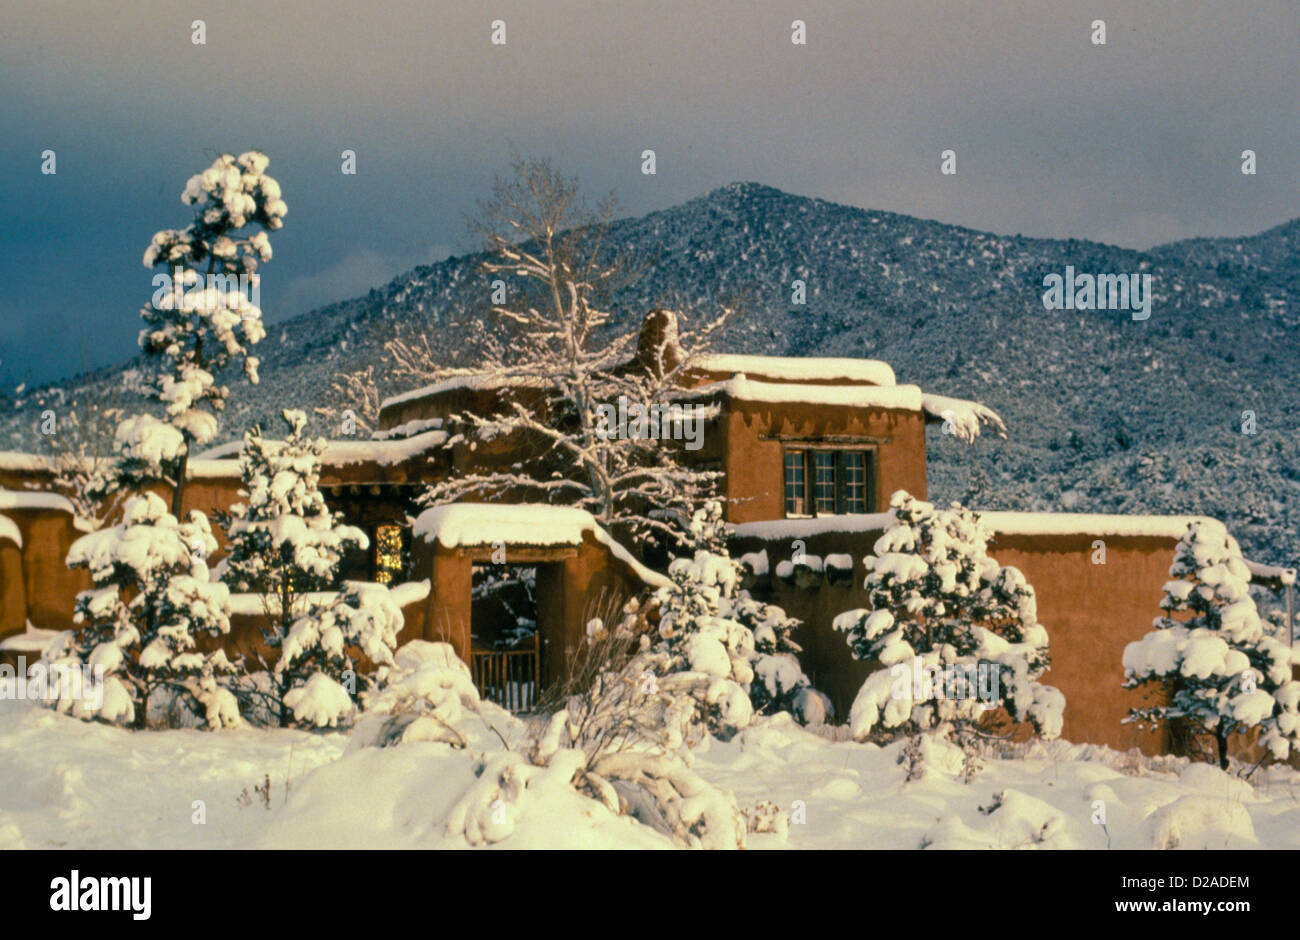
[809, 499]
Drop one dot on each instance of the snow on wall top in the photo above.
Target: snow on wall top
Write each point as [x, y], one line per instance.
[743, 388]
[775, 529]
[1083, 523]
[9, 530]
[339, 454]
[1002, 523]
[476, 524]
[797, 368]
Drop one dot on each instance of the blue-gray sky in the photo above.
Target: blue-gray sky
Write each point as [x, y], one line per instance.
[1136, 142]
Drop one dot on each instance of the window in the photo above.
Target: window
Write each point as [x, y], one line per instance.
[388, 553]
[795, 497]
[823, 481]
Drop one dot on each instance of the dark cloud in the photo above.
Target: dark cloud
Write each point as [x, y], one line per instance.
[1136, 142]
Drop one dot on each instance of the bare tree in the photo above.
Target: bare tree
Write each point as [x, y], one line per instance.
[558, 364]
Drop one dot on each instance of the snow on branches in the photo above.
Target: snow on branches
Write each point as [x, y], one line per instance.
[324, 647]
[557, 367]
[952, 631]
[1223, 673]
[285, 544]
[203, 314]
[710, 627]
[151, 603]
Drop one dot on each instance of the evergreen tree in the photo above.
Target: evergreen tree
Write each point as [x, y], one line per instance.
[1220, 669]
[285, 542]
[952, 631]
[202, 316]
[151, 603]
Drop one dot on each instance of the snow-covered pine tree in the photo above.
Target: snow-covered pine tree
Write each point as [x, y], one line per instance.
[151, 603]
[202, 315]
[285, 542]
[951, 630]
[708, 624]
[326, 645]
[1221, 670]
[556, 362]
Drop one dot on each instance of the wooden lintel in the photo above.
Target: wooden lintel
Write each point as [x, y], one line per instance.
[840, 439]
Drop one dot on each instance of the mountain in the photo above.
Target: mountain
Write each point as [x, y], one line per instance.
[1105, 413]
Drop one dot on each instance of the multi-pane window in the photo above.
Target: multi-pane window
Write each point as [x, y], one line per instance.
[795, 483]
[823, 481]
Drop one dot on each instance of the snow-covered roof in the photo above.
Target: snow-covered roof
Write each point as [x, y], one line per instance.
[23, 462]
[35, 640]
[340, 454]
[743, 388]
[476, 524]
[1260, 572]
[801, 369]
[477, 381]
[9, 530]
[34, 499]
[963, 418]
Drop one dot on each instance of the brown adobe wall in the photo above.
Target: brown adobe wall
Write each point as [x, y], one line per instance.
[13, 590]
[50, 587]
[1091, 613]
[753, 461]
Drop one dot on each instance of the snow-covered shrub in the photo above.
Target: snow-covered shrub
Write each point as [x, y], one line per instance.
[631, 734]
[151, 603]
[953, 633]
[711, 627]
[285, 542]
[428, 694]
[1221, 670]
[319, 656]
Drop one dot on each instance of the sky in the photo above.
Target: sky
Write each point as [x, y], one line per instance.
[1136, 142]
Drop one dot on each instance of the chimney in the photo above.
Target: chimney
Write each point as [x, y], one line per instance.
[657, 350]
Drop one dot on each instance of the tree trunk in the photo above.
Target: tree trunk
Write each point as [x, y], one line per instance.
[1222, 739]
[178, 494]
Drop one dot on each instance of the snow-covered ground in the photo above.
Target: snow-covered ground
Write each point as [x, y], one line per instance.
[65, 783]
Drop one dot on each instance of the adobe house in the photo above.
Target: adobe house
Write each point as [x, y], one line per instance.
[809, 449]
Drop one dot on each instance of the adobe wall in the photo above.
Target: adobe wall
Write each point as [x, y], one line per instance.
[51, 587]
[13, 590]
[1091, 613]
[753, 450]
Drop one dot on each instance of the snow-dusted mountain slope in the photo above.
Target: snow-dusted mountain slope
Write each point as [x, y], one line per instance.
[1105, 413]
